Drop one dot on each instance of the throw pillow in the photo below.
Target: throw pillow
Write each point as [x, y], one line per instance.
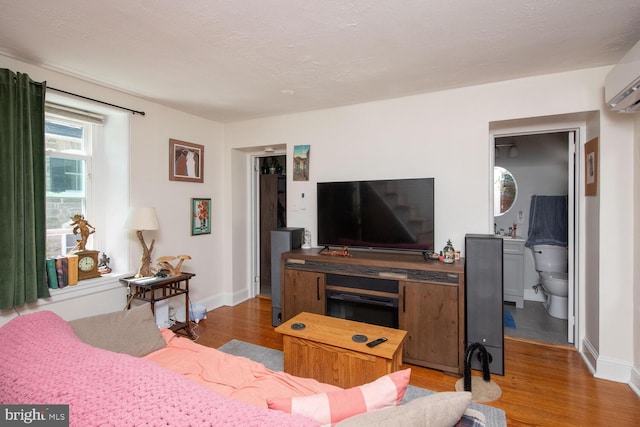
[435, 410]
[132, 332]
[334, 406]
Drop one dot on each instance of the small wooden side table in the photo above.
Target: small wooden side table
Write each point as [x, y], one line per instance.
[153, 289]
[325, 350]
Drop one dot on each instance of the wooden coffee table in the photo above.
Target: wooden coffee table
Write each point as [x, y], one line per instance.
[325, 350]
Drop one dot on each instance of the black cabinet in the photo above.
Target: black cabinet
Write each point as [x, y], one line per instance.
[484, 297]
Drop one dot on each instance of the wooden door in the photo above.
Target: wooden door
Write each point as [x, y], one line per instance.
[268, 222]
[429, 313]
[302, 291]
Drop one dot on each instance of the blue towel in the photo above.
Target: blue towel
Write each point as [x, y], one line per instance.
[548, 221]
[509, 322]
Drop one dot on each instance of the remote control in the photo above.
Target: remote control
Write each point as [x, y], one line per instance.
[376, 342]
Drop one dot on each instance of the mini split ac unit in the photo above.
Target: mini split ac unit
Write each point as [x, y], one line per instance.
[622, 84]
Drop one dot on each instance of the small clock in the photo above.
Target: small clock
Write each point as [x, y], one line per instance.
[87, 264]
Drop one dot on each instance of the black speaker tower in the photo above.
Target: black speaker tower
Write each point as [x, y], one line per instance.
[282, 240]
[484, 298]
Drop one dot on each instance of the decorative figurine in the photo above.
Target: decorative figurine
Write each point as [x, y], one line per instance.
[173, 271]
[82, 227]
[87, 259]
[306, 240]
[449, 255]
[344, 252]
[103, 265]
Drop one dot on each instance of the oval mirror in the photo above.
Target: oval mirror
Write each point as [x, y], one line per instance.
[505, 190]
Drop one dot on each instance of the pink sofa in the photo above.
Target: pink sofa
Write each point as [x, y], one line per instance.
[109, 370]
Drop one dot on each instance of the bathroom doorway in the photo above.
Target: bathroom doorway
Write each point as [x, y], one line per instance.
[542, 162]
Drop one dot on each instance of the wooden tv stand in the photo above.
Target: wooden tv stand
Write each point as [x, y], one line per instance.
[430, 297]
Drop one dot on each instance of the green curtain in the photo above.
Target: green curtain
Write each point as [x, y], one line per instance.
[22, 190]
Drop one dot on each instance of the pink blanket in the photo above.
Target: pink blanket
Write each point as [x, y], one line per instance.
[43, 362]
[237, 377]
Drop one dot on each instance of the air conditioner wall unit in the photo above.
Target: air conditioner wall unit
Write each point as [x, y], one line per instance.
[622, 84]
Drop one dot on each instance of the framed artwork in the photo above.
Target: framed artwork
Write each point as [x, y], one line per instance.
[186, 161]
[200, 216]
[591, 167]
[301, 163]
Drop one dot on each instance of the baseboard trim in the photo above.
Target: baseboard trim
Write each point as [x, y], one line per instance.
[634, 382]
[221, 299]
[589, 355]
[607, 368]
[614, 370]
[240, 296]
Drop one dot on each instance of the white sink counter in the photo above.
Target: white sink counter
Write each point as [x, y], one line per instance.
[517, 238]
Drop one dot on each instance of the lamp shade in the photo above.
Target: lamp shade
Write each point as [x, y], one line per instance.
[142, 219]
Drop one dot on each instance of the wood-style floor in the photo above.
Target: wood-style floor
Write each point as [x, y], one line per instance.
[543, 385]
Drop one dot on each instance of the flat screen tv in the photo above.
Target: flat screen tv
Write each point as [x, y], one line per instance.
[396, 214]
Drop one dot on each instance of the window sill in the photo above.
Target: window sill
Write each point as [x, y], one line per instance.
[103, 283]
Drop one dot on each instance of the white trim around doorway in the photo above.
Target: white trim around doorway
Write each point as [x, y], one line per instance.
[573, 126]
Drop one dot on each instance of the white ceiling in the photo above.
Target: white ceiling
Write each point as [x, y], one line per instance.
[230, 60]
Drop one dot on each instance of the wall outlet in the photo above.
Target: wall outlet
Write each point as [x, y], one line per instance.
[520, 217]
[172, 311]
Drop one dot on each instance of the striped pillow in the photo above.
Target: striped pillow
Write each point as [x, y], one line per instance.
[332, 407]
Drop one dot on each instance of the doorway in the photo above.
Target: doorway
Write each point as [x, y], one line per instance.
[541, 163]
[270, 201]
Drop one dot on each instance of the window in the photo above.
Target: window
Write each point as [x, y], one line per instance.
[87, 172]
[68, 171]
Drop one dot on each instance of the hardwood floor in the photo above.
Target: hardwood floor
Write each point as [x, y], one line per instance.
[543, 385]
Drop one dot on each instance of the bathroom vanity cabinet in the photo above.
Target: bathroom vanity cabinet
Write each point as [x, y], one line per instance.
[424, 298]
[513, 273]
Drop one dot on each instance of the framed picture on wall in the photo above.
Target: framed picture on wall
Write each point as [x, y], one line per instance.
[200, 216]
[301, 163]
[186, 161]
[591, 167]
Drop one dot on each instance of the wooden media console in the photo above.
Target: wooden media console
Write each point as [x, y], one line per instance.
[429, 295]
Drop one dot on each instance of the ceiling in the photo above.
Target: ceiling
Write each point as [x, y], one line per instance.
[230, 60]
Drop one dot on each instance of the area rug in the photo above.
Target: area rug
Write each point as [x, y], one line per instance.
[481, 390]
[273, 360]
[508, 320]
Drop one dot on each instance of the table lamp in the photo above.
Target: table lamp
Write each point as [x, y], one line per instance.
[141, 219]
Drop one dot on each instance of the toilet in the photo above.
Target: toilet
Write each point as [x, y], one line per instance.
[552, 267]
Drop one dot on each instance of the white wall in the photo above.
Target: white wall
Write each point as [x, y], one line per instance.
[446, 135]
[149, 186]
[635, 376]
[589, 268]
[615, 255]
